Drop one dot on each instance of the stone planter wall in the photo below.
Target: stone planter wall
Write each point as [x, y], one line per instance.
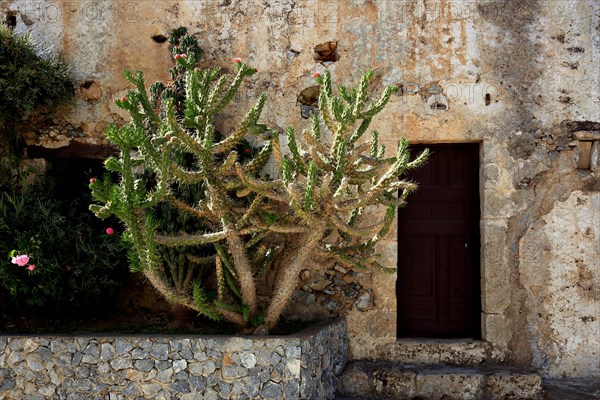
[300, 366]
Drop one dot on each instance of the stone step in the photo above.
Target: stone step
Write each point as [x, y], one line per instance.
[456, 352]
[386, 380]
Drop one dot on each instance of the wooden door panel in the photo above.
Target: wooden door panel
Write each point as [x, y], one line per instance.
[457, 266]
[419, 281]
[438, 247]
[421, 308]
[442, 227]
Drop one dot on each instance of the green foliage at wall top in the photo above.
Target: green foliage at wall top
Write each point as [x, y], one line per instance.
[29, 78]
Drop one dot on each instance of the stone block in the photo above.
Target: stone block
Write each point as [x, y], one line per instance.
[397, 383]
[448, 383]
[512, 386]
[495, 272]
[354, 381]
[495, 328]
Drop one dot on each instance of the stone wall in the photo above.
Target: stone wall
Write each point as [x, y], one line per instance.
[301, 366]
[518, 77]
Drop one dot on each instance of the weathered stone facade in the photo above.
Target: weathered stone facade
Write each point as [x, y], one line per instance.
[518, 77]
[302, 366]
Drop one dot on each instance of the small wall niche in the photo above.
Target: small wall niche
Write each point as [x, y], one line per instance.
[11, 19]
[326, 53]
[437, 102]
[159, 38]
[309, 101]
[90, 90]
[587, 150]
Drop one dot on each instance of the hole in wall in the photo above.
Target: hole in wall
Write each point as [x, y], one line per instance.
[437, 102]
[488, 99]
[438, 106]
[292, 54]
[400, 90]
[11, 20]
[326, 53]
[90, 90]
[159, 38]
[309, 101]
[309, 96]
[87, 84]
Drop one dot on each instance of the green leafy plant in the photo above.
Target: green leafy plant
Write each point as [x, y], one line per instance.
[29, 78]
[54, 254]
[264, 231]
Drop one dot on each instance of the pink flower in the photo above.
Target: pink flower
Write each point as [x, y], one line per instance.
[316, 74]
[31, 267]
[237, 60]
[247, 151]
[21, 260]
[92, 180]
[68, 267]
[123, 99]
[110, 231]
[178, 56]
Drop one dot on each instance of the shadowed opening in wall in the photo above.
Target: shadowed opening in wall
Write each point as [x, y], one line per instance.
[309, 101]
[326, 53]
[11, 20]
[439, 106]
[159, 38]
[87, 84]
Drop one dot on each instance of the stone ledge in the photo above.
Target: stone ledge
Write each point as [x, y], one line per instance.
[385, 380]
[300, 366]
[462, 352]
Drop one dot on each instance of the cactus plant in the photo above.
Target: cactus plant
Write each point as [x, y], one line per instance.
[264, 231]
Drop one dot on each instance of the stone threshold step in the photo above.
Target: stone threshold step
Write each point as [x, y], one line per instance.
[457, 352]
[387, 380]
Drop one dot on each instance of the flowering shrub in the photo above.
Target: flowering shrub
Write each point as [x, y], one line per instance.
[54, 254]
[21, 260]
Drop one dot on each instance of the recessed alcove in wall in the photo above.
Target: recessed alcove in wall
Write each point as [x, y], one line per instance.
[11, 19]
[309, 101]
[437, 102]
[159, 38]
[326, 53]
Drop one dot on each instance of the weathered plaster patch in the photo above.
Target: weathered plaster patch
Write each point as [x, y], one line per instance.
[561, 270]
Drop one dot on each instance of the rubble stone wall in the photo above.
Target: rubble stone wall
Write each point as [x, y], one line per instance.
[302, 366]
[518, 77]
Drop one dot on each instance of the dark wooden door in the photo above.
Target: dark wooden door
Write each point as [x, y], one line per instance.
[438, 287]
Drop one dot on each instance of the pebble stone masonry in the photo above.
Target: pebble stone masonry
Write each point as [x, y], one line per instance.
[300, 366]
